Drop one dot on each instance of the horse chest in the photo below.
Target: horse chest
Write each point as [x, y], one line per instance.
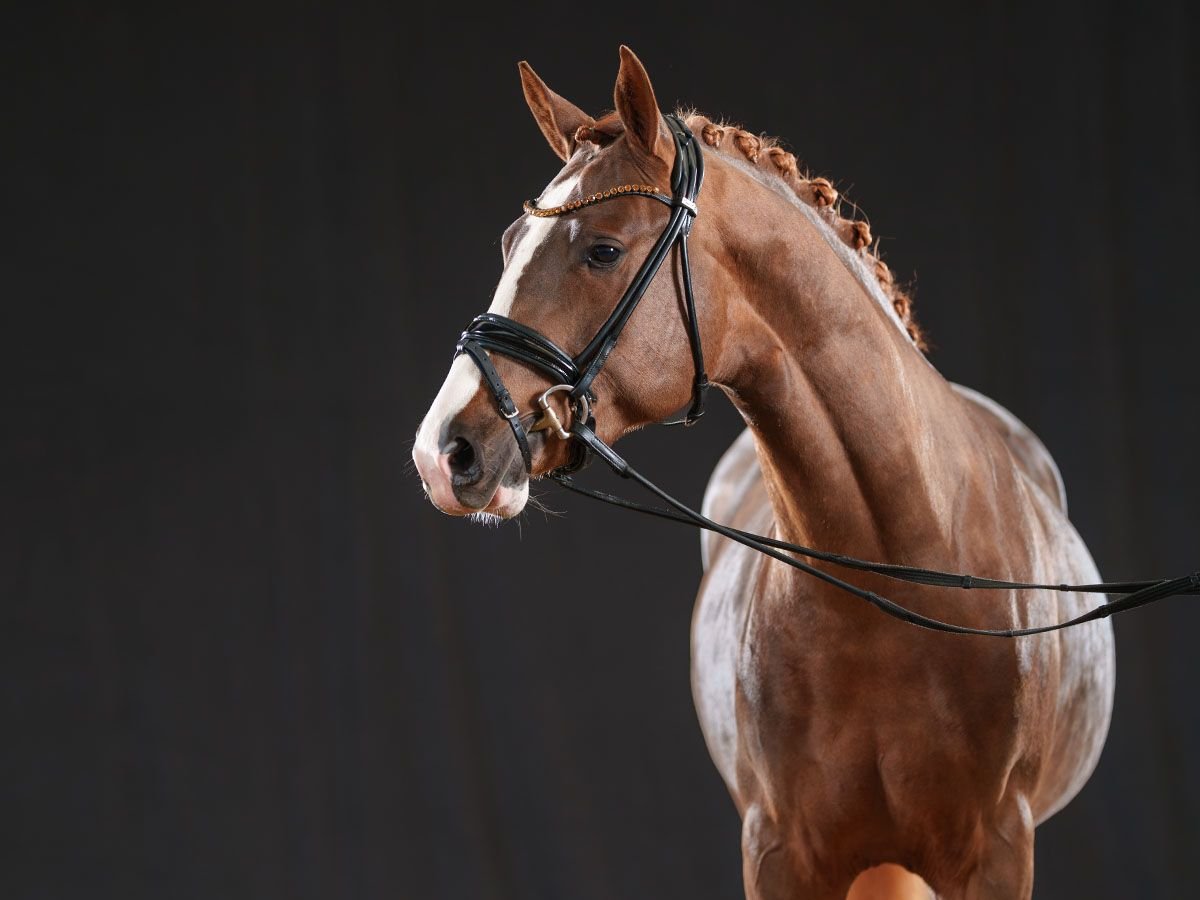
[717, 627]
[790, 686]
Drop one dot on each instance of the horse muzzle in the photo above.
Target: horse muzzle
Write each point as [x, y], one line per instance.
[471, 470]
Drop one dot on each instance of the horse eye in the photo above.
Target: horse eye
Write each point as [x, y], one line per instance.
[604, 255]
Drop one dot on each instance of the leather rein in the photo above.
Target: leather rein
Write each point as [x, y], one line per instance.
[574, 375]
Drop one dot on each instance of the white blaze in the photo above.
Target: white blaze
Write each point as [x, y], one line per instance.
[463, 381]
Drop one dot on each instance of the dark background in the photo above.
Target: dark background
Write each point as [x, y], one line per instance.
[242, 656]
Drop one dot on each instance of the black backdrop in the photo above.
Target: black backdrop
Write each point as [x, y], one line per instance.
[243, 657]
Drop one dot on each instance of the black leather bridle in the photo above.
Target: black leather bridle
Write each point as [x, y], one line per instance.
[574, 375]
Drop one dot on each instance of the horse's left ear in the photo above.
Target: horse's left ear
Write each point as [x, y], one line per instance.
[636, 105]
[557, 117]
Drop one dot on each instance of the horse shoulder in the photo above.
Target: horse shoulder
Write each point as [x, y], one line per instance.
[1079, 662]
[1027, 449]
[735, 496]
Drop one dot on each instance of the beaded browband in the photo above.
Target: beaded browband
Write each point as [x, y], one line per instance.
[621, 190]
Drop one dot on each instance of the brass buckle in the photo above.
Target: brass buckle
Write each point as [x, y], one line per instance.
[549, 419]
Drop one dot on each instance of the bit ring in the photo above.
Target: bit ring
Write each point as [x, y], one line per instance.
[582, 410]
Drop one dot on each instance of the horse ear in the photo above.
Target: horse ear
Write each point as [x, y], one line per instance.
[559, 119]
[634, 99]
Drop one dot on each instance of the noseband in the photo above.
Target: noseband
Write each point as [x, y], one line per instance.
[574, 375]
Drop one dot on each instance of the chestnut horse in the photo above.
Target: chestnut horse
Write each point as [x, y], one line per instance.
[866, 757]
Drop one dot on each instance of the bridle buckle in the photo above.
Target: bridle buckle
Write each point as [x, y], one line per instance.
[549, 419]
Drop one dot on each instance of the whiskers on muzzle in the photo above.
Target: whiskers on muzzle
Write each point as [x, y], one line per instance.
[476, 468]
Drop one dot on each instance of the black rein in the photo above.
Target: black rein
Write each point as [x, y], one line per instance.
[495, 333]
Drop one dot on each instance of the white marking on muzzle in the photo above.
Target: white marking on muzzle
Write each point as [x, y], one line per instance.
[463, 381]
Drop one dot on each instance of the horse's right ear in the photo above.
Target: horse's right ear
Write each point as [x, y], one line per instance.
[559, 119]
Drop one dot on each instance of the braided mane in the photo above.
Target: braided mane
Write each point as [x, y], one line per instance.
[765, 155]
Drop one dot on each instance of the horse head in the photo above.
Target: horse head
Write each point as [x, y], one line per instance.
[567, 262]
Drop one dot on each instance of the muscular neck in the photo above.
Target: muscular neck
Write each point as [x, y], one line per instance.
[862, 442]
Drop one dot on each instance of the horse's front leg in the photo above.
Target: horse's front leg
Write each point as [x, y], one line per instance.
[774, 869]
[1005, 867]
[889, 882]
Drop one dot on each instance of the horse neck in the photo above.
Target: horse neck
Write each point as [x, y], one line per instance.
[863, 445]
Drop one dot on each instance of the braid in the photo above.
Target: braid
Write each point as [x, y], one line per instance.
[765, 154]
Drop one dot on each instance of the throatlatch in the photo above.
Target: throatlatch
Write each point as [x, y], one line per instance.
[574, 375]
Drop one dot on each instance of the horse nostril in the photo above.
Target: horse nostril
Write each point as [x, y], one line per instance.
[464, 462]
